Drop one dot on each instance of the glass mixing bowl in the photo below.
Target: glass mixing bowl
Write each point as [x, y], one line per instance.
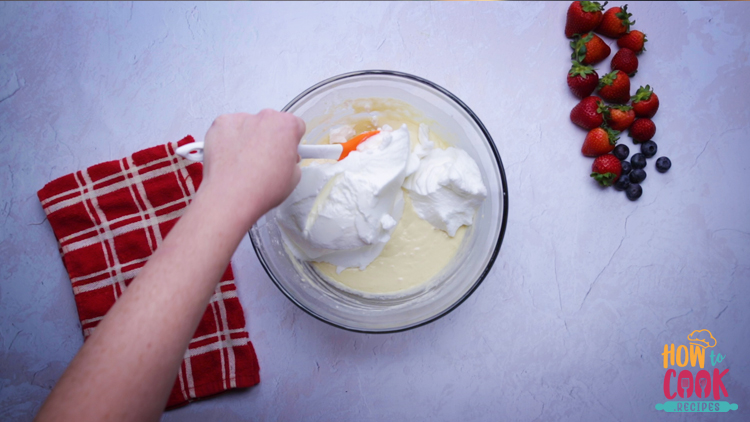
[453, 121]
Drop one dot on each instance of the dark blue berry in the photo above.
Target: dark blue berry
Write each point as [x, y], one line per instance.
[621, 152]
[622, 183]
[638, 161]
[648, 148]
[637, 176]
[626, 167]
[663, 164]
[634, 191]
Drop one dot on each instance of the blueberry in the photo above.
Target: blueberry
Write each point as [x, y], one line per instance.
[626, 167]
[621, 152]
[663, 164]
[648, 148]
[634, 191]
[637, 176]
[622, 183]
[638, 161]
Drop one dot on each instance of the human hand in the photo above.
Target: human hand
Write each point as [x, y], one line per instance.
[250, 161]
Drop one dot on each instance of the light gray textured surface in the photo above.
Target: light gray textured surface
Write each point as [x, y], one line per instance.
[588, 287]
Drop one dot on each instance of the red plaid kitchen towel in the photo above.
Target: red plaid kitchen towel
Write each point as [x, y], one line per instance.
[108, 220]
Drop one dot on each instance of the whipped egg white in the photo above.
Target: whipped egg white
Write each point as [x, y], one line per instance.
[447, 188]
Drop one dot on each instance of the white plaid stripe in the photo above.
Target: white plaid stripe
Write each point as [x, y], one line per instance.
[181, 378]
[107, 189]
[189, 375]
[122, 230]
[230, 351]
[130, 227]
[221, 353]
[225, 332]
[183, 172]
[232, 342]
[97, 274]
[88, 194]
[90, 320]
[138, 185]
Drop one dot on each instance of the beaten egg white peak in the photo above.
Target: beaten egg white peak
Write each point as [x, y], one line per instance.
[447, 188]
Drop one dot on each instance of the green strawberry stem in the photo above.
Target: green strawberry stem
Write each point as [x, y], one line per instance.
[605, 179]
[611, 134]
[625, 17]
[592, 6]
[601, 107]
[580, 70]
[579, 46]
[608, 79]
[643, 94]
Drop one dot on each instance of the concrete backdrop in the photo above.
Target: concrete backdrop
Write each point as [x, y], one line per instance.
[572, 320]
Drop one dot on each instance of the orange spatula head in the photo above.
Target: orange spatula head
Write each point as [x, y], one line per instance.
[352, 144]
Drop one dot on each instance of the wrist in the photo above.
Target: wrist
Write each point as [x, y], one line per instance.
[236, 214]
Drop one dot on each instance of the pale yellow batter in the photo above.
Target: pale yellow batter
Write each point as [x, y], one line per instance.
[417, 251]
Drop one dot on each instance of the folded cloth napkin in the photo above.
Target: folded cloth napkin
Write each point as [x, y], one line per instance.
[108, 220]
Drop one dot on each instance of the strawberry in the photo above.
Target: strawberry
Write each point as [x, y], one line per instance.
[645, 102]
[588, 113]
[589, 48]
[606, 169]
[642, 130]
[582, 80]
[600, 140]
[615, 22]
[619, 117]
[583, 16]
[625, 60]
[615, 87]
[633, 40]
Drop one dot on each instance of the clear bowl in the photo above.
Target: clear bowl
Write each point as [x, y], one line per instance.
[453, 121]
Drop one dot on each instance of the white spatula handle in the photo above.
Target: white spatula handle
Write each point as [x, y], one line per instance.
[332, 152]
[194, 151]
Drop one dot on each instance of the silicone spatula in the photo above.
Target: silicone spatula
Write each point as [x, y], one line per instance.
[194, 150]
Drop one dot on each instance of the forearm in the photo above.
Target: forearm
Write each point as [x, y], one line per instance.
[127, 367]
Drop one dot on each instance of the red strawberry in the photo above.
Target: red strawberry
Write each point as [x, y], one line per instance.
[615, 22]
[645, 102]
[625, 60]
[642, 130]
[588, 113]
[615, 87]
[583, 16]
[606, 169]
[633, 40]
[600, 140]
[619, 117]
[589, 49]
[582, 80]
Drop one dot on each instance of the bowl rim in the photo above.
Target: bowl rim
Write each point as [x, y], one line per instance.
[503, 182]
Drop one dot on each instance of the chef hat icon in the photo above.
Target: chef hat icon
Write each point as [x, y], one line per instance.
[702, 338]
